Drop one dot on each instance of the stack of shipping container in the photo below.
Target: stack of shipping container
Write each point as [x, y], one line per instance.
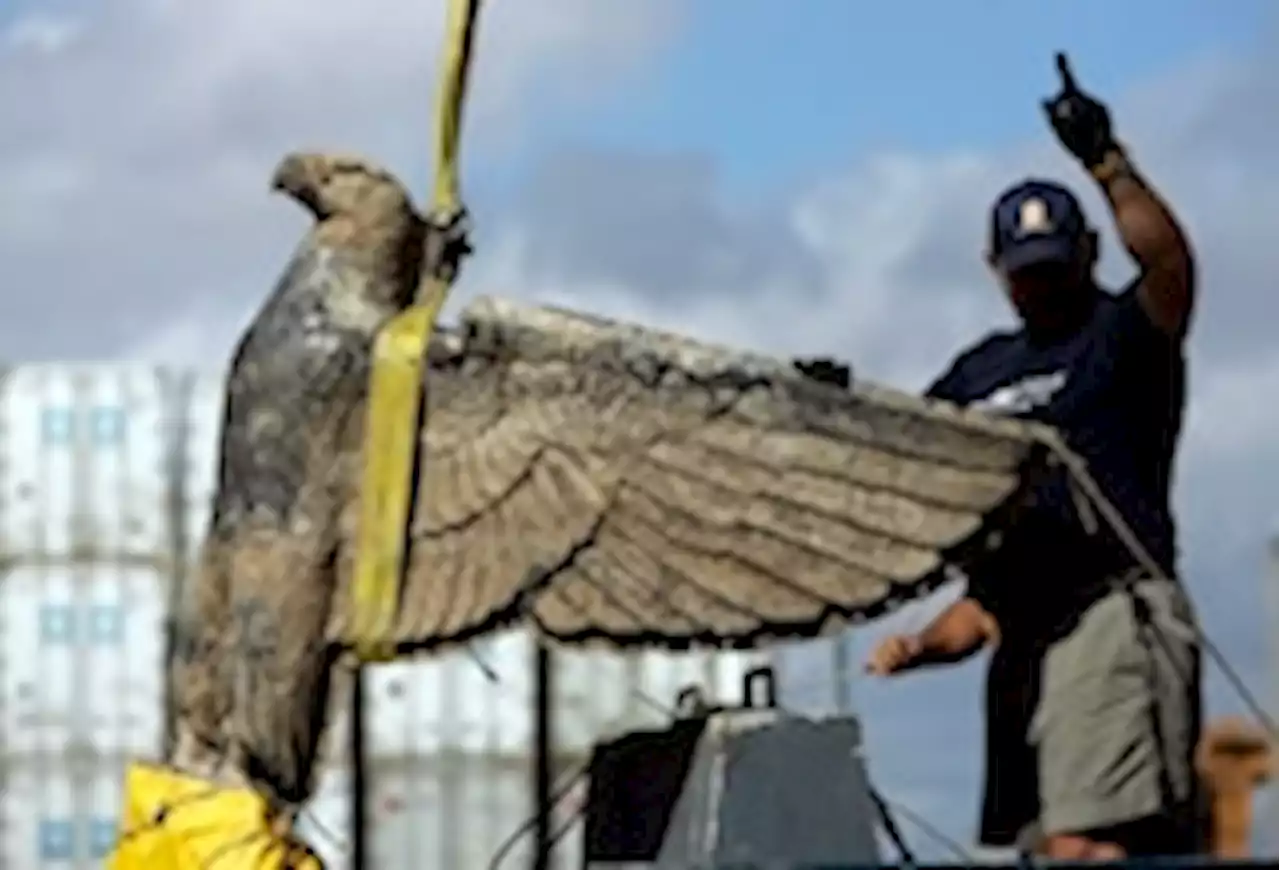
[86, 543]
[105, 478]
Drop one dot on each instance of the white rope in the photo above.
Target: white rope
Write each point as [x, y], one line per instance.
[1114, 518]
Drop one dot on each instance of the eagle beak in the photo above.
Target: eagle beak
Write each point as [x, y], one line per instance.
[300, 176]
[290, 176]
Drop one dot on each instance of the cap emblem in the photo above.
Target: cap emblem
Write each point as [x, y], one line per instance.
[1033, 217]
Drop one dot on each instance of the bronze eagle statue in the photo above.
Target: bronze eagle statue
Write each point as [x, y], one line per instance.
[600, 481]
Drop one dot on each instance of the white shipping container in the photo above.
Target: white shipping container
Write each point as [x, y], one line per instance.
[422, 706]
[58, 811]
[203, 424]
[83, 453]
[81, 649]
[454, 702]
[447, 810]
[601, 695]
[451, 811]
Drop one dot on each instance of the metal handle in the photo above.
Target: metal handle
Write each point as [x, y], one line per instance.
[751, 680]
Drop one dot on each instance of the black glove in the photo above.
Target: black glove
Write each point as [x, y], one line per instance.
[1082, 123]
[824, 370]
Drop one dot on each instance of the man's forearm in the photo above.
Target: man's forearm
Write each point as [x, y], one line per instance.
[1153, 237]
[955, 634]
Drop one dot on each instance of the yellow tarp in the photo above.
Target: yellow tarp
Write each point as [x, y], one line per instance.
[172, 821]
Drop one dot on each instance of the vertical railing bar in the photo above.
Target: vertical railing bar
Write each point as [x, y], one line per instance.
[179, 390]
[361, 819]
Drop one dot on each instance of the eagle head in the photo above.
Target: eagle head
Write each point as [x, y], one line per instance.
[329, 185]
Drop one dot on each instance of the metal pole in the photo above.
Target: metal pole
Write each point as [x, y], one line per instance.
[543, 747]
[1273, 629]
[842, 667]
[1272, 598]
[178, 391]
[1267, 843]
[360, 817]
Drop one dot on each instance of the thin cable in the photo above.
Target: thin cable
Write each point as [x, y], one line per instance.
[652, 702]
[1242, 689]
[557, 795]
[1115, 519]
[933, 831]
[562, 791]
[478, 660]
[325, 832]
[890, 827]
[567, 825]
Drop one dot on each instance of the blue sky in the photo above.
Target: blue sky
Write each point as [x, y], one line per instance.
[779, 97]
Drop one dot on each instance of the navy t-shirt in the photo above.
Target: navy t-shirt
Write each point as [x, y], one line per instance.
[1115, 391]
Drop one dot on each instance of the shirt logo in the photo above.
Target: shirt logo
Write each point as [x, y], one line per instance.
[1024, 396]
[1033, 217]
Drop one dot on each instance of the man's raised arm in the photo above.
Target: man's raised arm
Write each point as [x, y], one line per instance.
[1145, 223]
[1155, 241]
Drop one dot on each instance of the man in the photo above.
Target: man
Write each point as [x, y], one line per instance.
[1093, 691]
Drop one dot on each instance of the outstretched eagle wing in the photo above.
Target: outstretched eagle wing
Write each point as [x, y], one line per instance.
[621, 485]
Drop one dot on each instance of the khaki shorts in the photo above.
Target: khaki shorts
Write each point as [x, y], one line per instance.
[1118, 719]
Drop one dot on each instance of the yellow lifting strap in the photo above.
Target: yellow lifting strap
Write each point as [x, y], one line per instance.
[392, 424]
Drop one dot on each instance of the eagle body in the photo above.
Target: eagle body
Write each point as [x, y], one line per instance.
[252, 675]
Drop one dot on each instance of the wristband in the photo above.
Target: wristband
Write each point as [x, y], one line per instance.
[1114, 164]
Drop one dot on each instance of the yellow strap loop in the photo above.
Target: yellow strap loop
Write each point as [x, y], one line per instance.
[393, 422]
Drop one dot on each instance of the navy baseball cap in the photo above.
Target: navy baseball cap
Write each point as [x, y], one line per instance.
[1035, 222]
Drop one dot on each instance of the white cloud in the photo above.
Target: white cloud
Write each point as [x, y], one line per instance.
[134, 158]
[1234, 410]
